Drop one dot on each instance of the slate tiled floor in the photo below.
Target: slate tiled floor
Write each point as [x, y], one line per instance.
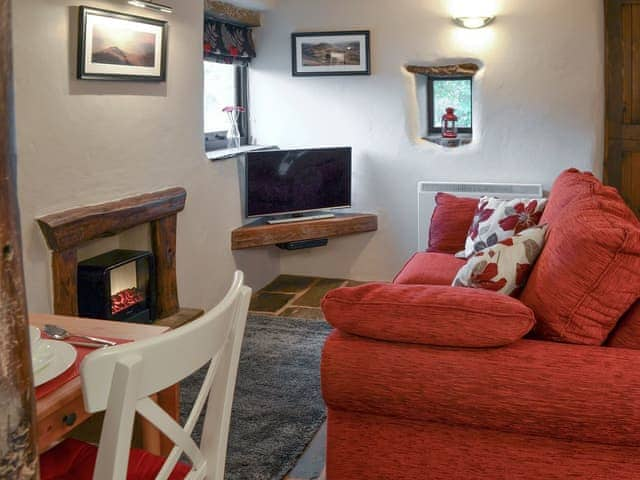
[296, 296]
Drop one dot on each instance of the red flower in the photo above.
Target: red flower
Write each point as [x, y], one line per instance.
[525, 217]
[482, 215]
[207, 47]
[522, 272]
[233, 50]
[483, 278]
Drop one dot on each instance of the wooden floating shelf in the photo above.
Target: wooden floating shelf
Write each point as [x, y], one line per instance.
[260, 233]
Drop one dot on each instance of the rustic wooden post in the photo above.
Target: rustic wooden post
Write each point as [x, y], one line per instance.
[18, 458]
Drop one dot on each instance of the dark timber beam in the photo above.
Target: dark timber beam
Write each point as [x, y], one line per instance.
[18, 458]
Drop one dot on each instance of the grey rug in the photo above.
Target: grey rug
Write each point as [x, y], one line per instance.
[278, 405]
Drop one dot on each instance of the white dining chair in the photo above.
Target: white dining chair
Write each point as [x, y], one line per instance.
[120, 380]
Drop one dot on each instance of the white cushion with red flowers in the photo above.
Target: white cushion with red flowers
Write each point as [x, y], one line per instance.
[504, 267]
[496, 220]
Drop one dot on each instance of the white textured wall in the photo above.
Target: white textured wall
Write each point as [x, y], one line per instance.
[83, 142]
[539, 104]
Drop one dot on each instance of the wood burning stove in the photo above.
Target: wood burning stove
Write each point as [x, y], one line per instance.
[118, 285]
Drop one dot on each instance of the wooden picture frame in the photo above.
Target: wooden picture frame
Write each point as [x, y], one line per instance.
[315, 54]
[118, 46]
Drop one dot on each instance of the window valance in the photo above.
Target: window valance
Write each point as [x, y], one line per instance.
[227, 43]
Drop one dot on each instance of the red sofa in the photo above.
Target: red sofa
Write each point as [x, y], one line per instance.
[427, 381]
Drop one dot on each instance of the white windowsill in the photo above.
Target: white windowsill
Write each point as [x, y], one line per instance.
[234, 152]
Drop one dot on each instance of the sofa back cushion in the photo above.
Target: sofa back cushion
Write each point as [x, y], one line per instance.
[571, 185]
[627, 332]
[588, 274]
[450, 222]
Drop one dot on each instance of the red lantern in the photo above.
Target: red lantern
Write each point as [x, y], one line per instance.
[449, 120]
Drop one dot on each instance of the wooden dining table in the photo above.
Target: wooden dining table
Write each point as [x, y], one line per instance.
[62, 410]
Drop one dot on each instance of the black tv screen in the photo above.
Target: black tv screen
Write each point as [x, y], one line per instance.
[294, 181]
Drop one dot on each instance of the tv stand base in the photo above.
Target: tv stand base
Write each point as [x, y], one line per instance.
[302, 218]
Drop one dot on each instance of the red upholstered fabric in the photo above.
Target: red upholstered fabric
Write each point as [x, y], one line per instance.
[571, 185]
[627, 332]
[429, 269]
[369, 446]
[75, 460]
[429, 315]
[588, 274]
[450, 223]
[562, 391]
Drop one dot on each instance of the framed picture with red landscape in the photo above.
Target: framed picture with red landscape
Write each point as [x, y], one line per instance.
[118, 46]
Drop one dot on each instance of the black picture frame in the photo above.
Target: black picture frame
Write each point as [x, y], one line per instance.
[92, 70]
[363, 68]
[432, 129]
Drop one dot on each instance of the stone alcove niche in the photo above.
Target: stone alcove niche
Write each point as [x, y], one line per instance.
[422, 73]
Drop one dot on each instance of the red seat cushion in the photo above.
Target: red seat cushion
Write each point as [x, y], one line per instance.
[588, 274]
[428, 314]
[75, 460]
[450, 223]
[430, 269]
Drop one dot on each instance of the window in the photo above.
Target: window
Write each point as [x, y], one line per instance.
[447, 92]
[224, 85]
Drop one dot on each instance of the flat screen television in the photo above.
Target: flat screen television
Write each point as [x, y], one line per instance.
[280, 182]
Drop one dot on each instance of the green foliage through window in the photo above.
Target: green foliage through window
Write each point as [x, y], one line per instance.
[454, 93]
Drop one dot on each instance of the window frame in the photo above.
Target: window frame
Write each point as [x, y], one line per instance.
[218, 140]
[430, 102]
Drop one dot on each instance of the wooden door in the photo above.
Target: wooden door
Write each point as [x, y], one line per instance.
[18, 458]
[622, 156]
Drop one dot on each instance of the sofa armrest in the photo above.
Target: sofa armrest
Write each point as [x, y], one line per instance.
[428, 314]
[532, 387]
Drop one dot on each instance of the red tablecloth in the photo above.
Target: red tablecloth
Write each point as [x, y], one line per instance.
[72, 372]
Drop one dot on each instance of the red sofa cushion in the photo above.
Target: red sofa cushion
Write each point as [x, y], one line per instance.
[450, 223]
[571, 185]
[429, 269]
[430, 315]
[75, 460]
[627, 332]
[588, 274]
[401, 449]
[571, 392]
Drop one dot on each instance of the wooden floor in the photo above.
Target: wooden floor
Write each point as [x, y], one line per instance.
[300, 297]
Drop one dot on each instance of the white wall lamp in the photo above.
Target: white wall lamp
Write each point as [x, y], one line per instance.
[473, 22]
[151, 6]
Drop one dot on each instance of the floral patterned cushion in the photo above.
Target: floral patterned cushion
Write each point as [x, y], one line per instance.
[496, 220]
[504, 267]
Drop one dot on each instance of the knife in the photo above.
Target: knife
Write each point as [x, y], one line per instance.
[86, 344]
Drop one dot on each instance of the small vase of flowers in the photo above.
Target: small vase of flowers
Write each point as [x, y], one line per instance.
[233, 133]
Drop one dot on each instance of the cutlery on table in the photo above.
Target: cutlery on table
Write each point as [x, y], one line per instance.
[87, 344]
[59, 333]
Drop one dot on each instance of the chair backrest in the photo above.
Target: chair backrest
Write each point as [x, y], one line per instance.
[121, 379]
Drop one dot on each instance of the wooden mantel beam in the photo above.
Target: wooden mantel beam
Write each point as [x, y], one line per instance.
[71, 228]
[444, 70]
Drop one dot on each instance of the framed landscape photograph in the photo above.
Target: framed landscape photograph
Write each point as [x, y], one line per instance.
[117, 46]
[331, 53]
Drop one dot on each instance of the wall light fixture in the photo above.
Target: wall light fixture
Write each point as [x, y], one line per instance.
[473, 22]
[151, 6]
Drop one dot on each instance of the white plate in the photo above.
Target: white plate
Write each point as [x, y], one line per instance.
[63, 357]
[34, 335]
